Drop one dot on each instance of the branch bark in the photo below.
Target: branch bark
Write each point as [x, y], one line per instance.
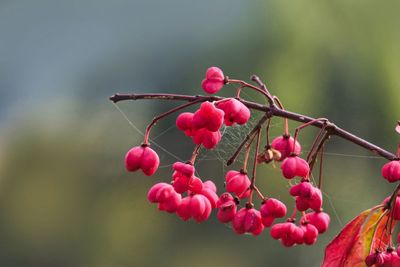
[331, 128]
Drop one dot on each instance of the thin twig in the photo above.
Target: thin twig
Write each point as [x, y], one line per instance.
[272, 111]
[247, 138]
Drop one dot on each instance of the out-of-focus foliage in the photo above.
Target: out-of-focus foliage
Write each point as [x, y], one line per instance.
[65, 198]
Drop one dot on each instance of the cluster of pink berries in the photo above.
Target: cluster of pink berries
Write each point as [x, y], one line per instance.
[204, 125]
[189, 197]
[389, 258]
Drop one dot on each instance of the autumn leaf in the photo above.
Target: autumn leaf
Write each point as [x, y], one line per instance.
[358, 238]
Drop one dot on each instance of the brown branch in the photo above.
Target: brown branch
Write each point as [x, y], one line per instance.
[331, 128]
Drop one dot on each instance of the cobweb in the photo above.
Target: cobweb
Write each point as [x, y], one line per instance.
[231, 137]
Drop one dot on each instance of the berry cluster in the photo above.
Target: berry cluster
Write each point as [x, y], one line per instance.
[190, 197]
[388, 258]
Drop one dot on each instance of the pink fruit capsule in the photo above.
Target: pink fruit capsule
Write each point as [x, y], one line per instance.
[286, 145]
[180, 182]
[226, 211]
[319, 219]
[294, 166]
[208, 117]
[307, 196]
[184, 122]
[237, 182]
[273, 208]
[210, 195]
[310, 234]
[391, 171]
[195, 185]
[207, 138]
[214, 80]
[277, 230]
[142, 157]
[267, 221]
[184, 168]
[151, 195]
[235, 112]
[248, 220]
[210, 185]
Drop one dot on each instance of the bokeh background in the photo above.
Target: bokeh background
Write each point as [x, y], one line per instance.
[65, 198]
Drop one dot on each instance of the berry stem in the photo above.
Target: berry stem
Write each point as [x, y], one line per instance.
[313, 158]
[296, 133]
[398, 151]
[248, 85]
[316, 140]
[163, 115]
[293, 217]
[286, 121]
[267, 144]
[238, 90]
[248, 137]
[262, 85]
[321, 160]
[246, 157]
[253, 174]
[195, 153]
[260, 195]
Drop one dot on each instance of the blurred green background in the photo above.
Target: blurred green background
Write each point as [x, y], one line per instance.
[65, 198]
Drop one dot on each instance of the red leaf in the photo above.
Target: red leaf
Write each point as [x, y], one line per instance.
[337, 251]
[373, 234]
[381, 239]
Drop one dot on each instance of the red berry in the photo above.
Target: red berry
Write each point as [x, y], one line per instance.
[273, 208]
[195, 185]
[295, 166]
[235, 112]
[171, 204]
[307, 196]
[277, 230]
[391, 171]
[371, 259]
[209, 117]
[226, 210]
[151, 195]
[319, 219]
[164, 194]
[185, 169]
[214, 80]
[142, 157]
[207, 138]
[225, 197]
[184, 122]
[267, 221]
[248, 220]
[210, 195]
[184, 209]
[210, 185]
[310, 234]
[180, 182]
[184, 178]
[285, 145]
[237, 182]
[196, 206]
[288, 233]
